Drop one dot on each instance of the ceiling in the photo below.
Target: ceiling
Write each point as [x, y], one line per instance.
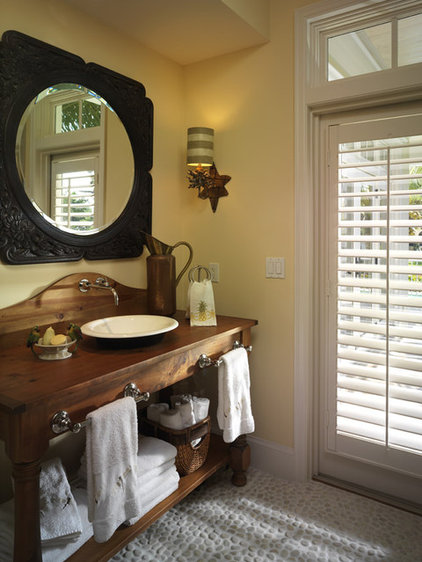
[185, 31]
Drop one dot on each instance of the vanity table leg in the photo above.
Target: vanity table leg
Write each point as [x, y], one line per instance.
[240, 459]
[27, 512]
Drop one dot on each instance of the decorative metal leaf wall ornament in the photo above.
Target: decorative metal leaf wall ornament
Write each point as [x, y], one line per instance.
[209, 183]
[200, 180]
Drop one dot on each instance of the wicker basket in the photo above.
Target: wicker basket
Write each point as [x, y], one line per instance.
[189, 458]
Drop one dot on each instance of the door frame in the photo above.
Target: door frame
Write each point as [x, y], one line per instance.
[347, 465]
[310, 109]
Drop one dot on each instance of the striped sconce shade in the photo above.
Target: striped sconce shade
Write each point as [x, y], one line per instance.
[200, 146]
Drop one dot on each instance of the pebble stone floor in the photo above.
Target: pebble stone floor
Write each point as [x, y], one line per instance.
[271, 519]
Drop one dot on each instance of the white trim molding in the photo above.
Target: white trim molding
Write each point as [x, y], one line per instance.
[317, 22]
[315, 98]
[270, 457]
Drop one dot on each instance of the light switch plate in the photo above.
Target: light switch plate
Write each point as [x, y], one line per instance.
[275, 268]
[215, 272]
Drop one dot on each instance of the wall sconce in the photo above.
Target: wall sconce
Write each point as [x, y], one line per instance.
[205, 177]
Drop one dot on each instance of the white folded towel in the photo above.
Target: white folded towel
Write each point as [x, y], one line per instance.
[171, 419]
[200, 408]
[154, 453]
[59, 517]
[154, 457]
[154, 472]
[154, 490]
[111, 453]
[234, 414]
[154, 411]
[50, 552]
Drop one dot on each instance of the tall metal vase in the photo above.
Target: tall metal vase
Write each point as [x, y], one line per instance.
[161, 279]
[161, 275]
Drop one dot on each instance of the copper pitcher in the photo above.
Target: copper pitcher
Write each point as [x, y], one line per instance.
[161, 275]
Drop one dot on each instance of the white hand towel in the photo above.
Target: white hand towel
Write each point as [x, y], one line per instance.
[111, 453]
[172, 419]
[200, 408]
[154, 490]
[234, 414]
[154, 411]
[201, 305]
[59, 516]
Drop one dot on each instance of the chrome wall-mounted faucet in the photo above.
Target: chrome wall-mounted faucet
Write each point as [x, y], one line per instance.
[100, 283]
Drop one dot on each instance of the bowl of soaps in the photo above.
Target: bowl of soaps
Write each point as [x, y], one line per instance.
[54, 346]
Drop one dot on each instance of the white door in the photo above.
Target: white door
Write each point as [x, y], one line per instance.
[371, 380]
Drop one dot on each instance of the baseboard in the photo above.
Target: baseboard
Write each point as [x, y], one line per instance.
[388, 499]
[270, 457]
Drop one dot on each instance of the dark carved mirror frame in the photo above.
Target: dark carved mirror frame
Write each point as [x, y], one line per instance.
[27, 67]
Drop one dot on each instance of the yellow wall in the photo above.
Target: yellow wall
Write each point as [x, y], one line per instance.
[248, 98]
[60, 25]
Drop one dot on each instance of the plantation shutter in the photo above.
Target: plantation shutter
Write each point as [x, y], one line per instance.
[378, 272]
[75, 193]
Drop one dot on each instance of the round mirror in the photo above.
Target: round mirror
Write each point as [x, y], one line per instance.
[76, 144]
[74, 159]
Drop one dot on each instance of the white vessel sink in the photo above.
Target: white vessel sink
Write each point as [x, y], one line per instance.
[130, 327]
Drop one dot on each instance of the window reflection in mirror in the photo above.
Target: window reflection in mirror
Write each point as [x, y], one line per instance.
[74, 159]
[76, 199]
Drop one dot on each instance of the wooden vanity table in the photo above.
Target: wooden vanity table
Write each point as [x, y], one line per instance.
[32, 391]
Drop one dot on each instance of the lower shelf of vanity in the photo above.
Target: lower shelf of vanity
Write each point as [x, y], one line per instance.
[218, 456]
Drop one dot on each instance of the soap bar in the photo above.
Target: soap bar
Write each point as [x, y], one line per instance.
[58, 339]
[49, 334]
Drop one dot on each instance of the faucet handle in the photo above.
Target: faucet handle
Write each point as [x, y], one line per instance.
[103, 281]
[84, 285]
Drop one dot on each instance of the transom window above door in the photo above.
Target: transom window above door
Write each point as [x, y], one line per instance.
[378, 47]
[355, 49]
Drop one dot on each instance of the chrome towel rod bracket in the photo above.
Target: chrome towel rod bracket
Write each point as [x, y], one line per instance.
[61, 421]
[205, 361]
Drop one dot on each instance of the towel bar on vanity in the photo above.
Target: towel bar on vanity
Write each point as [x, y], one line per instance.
[205, 361]
[61, 421]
